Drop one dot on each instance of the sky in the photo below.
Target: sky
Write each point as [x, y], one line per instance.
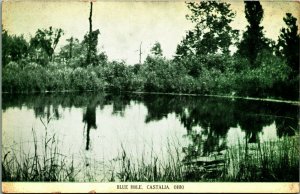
[125, 24]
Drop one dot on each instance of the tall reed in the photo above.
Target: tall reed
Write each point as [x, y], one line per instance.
[45, 163]
[268, 161]
[153, 170]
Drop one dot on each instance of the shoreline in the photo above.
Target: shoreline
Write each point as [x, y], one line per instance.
[293, 102]
[225, 96]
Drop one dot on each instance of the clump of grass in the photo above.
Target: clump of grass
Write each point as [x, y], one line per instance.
[269, 161]
[155, 170]
[45, 163]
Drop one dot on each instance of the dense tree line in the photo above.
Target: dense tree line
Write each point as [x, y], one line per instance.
[204, 62]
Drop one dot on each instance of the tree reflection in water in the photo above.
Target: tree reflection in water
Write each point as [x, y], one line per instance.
[89, 118]
[206, 119]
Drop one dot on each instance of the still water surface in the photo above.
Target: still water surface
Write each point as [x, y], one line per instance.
[93, 129]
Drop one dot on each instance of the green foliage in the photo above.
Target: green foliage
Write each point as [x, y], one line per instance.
[159, 75]
[86, 79]
[117, 76]
[203, 63]
[73, 48]
[30, 78]
[204, 52]
[212, 32]
[43, 44]
[55, 77]
[156, 50]
[14, 48]
[90, 43]
[215, 74]
[253, 40]
[75, 53]
[288, 43]
[260, 81]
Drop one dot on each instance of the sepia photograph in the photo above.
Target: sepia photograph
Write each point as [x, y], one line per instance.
[150, 96]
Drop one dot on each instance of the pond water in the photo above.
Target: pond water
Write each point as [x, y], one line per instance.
[93, 129]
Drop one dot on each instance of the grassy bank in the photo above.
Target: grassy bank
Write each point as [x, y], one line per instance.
[151, 168]
[45, 163]
[155, 75]
[268, 161]
[276, 161]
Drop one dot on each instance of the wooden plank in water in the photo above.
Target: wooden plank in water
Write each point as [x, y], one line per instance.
[207, 159]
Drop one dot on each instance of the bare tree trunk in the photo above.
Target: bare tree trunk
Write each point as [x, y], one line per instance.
[140, 53]
[71, 48]
[90, 34]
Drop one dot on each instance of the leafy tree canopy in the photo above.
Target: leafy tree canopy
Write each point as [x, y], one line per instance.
[288, 42]
[212, 32]
[46, 40]
[156, 50]
[253, 40]
[90, 41]
[14, 48]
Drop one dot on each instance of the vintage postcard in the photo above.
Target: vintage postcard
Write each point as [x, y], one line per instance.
[150, 96]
